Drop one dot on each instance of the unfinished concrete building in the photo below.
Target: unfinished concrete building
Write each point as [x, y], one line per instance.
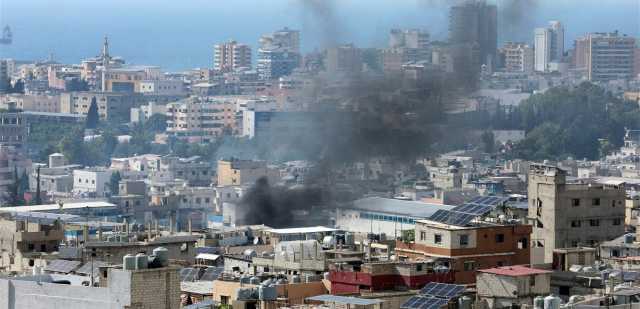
[568, 215]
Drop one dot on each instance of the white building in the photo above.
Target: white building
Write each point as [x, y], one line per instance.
[144, 112]
[549, 46]
[162, 87]
[92, 181]
[383, 215]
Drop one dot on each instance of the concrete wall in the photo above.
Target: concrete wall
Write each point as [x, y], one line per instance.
[551, 204]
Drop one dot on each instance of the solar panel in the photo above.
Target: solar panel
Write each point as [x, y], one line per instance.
[61, 266]
[424, 302]
[473, 209]
[86, 268]
[442, 290]
[211, 273]
[492, 201]
[452, 217]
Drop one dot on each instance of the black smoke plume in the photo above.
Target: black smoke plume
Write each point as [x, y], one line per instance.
[320, 18]
[275, 205]
[516, 19]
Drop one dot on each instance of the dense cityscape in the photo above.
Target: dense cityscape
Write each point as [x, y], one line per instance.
[457, 173]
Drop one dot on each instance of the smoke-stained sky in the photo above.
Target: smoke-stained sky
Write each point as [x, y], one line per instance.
[179, 34]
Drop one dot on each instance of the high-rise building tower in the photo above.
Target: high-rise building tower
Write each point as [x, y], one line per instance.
[4, 75]
[475, 23]
[231, 56]
[279, 54]
[610, 56]
[557, 41]
[549, 45]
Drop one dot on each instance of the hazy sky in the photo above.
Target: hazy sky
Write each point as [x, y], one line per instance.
[178, 34]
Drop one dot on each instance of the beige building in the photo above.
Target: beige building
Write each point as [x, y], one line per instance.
[568, 215]
[610, 56]
[240, 172]
[36, 102]
[24, 240]
[128, 79]
[518, 57]
[226, 292]
[231, 56]
[200, 119]
[501, 287]
[110, 104]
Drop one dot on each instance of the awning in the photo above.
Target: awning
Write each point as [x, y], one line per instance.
[207, 256]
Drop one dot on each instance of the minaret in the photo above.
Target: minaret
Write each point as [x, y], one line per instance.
[105, 51]
[105, 62]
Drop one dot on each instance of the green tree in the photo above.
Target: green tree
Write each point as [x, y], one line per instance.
[488, 141]
[114, 183]
[93, 118]
[72, 146]
[157, 123]
[38, 199]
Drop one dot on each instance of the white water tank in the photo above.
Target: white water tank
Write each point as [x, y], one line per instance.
[129, 262]
[464, 302]
[254, 280]
[295, 279]
[142, 261]
[552, 302]
[538, 302]
[162, 254]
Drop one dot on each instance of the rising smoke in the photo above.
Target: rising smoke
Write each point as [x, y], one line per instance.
[516, 19]
[320, 19]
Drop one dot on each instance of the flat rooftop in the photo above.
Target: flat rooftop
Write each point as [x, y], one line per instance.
[302, 230]
[514, 271]
[397, 207]
[56, 207]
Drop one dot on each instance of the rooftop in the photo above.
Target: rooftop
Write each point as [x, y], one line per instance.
[56, 207]
[515, 271]
[302, 230]
[344, 300]
[398, 207]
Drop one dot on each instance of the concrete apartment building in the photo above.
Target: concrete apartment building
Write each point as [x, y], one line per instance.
[279, 54]
[610, 56]
[231, 56]
[144, 112]
[465, 249]
[240, 172]
[346, 59]
[119, 288]
[35, 102]
[166, 87]
[549, 46]
[518, 57]
[24, 240]
[501, 287]
[92, 181]
[110, 104]
[566, 215]
[13, 128]
[128, 79]
[5, 81]
[475, 23]
[200, 119]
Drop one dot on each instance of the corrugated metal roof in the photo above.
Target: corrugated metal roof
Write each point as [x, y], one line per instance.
[302, 230]
[398, 207]
[56, 207]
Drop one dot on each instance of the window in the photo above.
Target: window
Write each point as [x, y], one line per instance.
[532, 280]
[594, 222]
[419, 267]
[617, 221]
[437, 238]
[464, 240]
[499, 238]
[423, 235]
[523, 243]
[595, 202]
[500, 263]
[469, 265]
[575, 223]
[575, 202]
